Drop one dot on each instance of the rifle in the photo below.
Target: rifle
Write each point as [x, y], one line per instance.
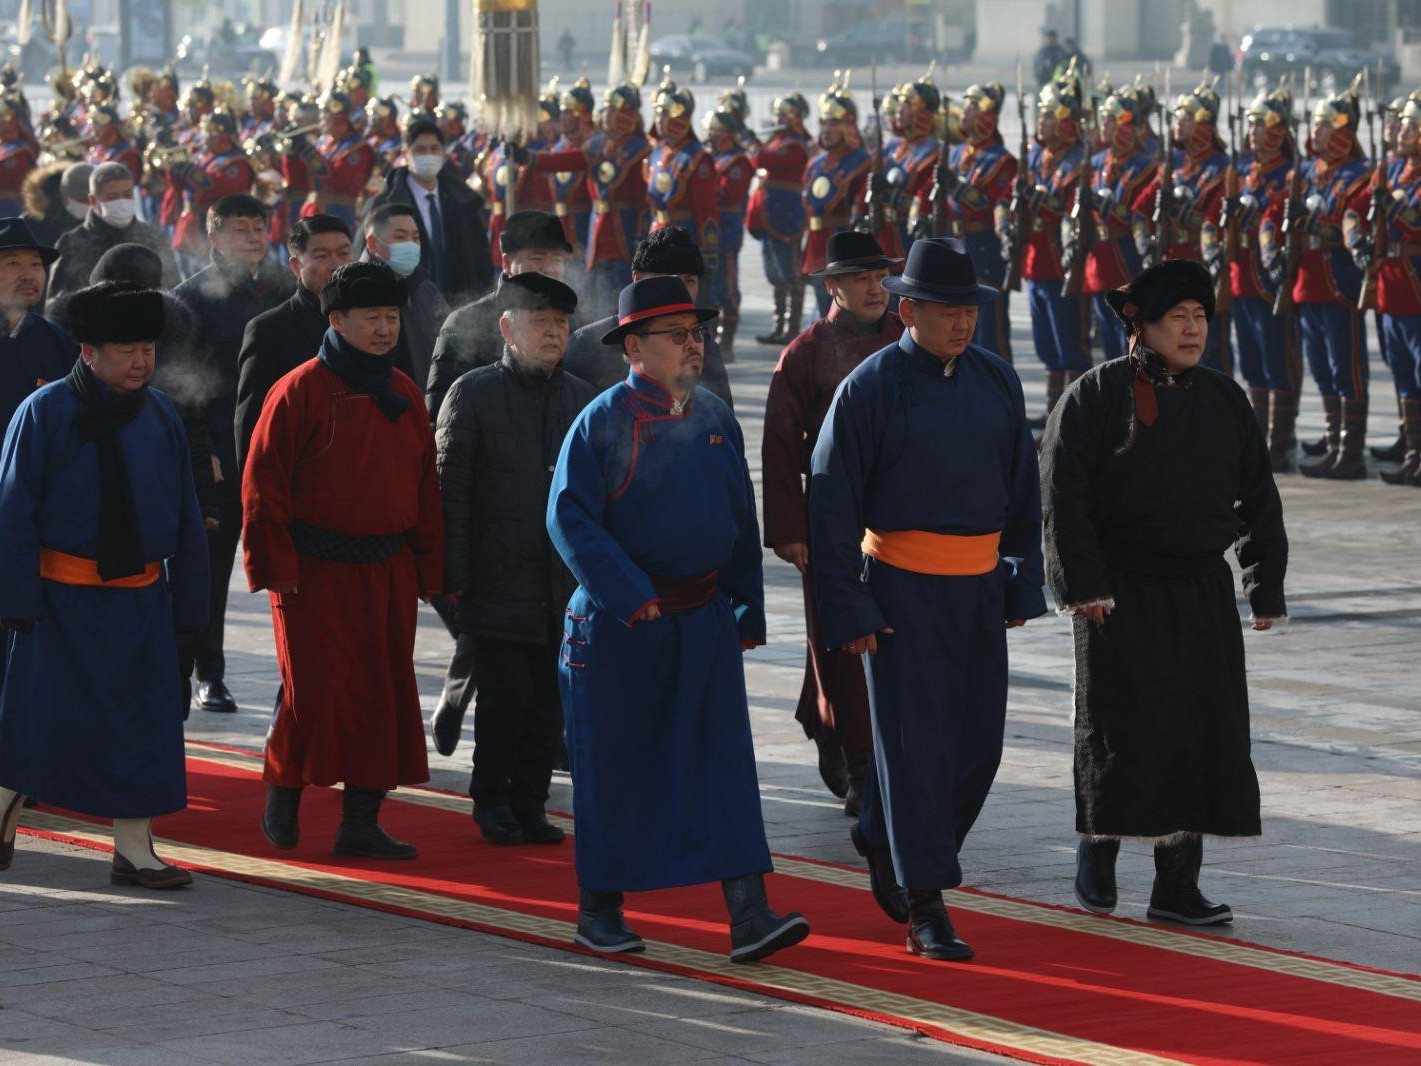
[1020, 207]
[1292, 239]
[1083, 232]
[1163, 216]
[1376, 214]
[939, 193]
[1228, 217]
[874, 200]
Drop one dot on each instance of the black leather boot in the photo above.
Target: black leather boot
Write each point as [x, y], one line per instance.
[535, 827]
[360, 834]
[1176, 896]
[1409, 472]
[600, 925]
[856, 762]
[1283, 417]
[755, 930]
[779, 323]
[833, 769]
[930, 932]
[892, 900]
[280, 824]
[1332, 439]
[497, 823]
[1095, 874]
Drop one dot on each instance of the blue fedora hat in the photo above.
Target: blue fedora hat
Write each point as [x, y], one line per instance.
[661, 294]
[940, 271]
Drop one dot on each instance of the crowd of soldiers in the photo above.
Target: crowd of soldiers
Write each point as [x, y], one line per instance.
[1093, 194]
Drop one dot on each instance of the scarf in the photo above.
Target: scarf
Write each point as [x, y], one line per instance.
[102, 414]
[365, 373]
[1151, 373]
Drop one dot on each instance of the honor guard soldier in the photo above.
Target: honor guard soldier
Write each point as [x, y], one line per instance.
[198, 102]
[531, 191]
[978, 178]
[1326, 283]
[465, 145]
[726, 135]
[111, 145]
[1267, 343]
[834, 181]
[358, 83]
[776, 212]
[17, 157]
[424, 93]
[1199, 166]
[912, 162]
[220, 170]
[737, 101]
[572, 200]
[382, 124]
[613, 161]
[341, 164]
[261, 107]
[297, 149]
[163, 98]
[1058, 322]
[681, 176]
[1119, 173]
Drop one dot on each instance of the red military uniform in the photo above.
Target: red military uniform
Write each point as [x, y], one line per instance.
[779, 161]
[339, 170]
[616, 183]
[1054, 175]
[125, 152]
[207, 179]
[1202, 173]
[531, 191]
[833, 183]
[910, 173]
[681, 191]
[327, 458]
[17, 159]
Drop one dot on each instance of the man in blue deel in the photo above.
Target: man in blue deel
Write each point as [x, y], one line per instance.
[925, 510]
[652, 509]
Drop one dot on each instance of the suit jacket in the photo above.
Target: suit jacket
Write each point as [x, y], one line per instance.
[275, 343]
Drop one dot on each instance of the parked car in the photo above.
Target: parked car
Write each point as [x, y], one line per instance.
[700, 58]
[895, 40]
[243, 54]
[1267, 53]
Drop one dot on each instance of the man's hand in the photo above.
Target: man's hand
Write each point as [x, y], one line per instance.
[866, 644]
[650, 613]
[746, 645]
[796, 554]
[210, 524]
[216, 470]
[1016, 623]
[1261, 625]
[1097, 613]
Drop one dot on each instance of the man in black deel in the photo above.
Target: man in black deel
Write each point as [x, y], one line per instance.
[239, 284]
[498, 438]
[1153, 467]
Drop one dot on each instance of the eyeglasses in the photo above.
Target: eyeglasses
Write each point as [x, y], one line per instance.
[679, 334]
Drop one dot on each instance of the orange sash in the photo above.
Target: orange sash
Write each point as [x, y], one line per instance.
[76, 570]
[943, 554]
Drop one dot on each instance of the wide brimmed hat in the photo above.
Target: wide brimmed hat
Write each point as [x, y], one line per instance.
[1154, 291]
[15, 233]
[940, 271]
[648, 298]
[116, 312]
[850, 252]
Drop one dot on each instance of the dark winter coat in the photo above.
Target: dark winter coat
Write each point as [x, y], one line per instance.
[498, 439]
[82, 247]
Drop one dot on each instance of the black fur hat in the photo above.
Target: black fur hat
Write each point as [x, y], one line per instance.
[1154, 291]
[668, 251]
[116, 312]
[363, 284]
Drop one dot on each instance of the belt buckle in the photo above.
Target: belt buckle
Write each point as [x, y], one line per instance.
[560, 210]
[600, 207]
[663, 218]
[1313, 243]
[816, 223]
[498, 208]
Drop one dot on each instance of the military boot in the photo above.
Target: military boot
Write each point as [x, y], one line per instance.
[1259, 397]
[780, 320]
[725, 335]
[600, 925]
[1409, 472]
[360, 834]
[930, 932]
[1332, 435]
[1095, 874]
[280, 825]
[795, 322]
[1283, 417]
[1176, 896]
[756, 931]
[1351, 464]
[1394, 452]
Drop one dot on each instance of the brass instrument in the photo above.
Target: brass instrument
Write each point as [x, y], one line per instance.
[158, 156]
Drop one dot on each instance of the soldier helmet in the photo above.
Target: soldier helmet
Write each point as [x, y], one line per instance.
[1124, 105]
[790, 104]
[1271, 108]
[354, 78]
[381, 109]
[103, 115]
[423, 83]
[168, 77]
[837, 104]
[220, 120]
[1202, 105]
[9, 76]
[337, 103]
[673, 100]
[987, 97]
[1149, 99]
[1340, 109]
[263, 87]
[623, 97]
[12, 106]
[923, 94]
[724, 121]
[549, 104]
[201, 94]
[452, 109]
[1410, 114]
[304, 111]
[579, 98]
[1061, 97]
[736, 100]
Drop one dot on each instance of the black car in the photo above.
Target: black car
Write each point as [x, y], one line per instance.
[895, 40]
[1268, 53]
[241, 54]
[699, 58]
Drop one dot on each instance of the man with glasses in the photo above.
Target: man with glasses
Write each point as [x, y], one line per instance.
[653, 511]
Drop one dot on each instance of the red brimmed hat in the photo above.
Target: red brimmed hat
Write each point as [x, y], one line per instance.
[664, 294]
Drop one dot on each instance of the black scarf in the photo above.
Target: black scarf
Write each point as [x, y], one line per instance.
[365, 373]
[101, 415]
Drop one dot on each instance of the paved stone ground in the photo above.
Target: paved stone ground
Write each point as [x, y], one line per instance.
[229, 972]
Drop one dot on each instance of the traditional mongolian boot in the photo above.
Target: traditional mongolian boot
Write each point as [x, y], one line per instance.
[1409, 472]
[1095, 873]
[1258, 397]
[833, 768]
[536, 829]
[1332, 434]
[1351, 464]
[725, 334]
[1394, 452]
[135, 862]
[780, 320]
[280, 825]
[930, 932]
[857, 763]
[10, 806]
[1176, 896]
[755, 930]
[360, 834]
[600, 925]
[794, 322]
[882, 878]
[1283, 417]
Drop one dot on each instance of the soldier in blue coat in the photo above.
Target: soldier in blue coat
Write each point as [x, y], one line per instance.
[652, 509]
[105, 558]
[925, 510]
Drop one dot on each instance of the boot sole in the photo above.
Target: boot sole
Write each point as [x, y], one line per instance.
[1094, 908]
[937, 955]
[1159, 915]
[627, 947]
[276, 843]
[787, 935]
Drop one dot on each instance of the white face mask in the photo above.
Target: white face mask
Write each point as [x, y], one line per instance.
[427, 167]
[118, 213]
[77, 208]
[271, 177]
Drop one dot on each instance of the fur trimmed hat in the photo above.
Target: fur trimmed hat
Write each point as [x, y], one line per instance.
[116, 312]
[1154, 291]
[668, 251]
[363, 284]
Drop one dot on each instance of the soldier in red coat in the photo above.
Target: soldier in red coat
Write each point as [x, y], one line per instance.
[340, 164]
[344, 529]
[572, 200]
[833, 701]
[775, 216]
[834, 181]
[382, 123]
[110, 144]
[17, 157]
[726, 135]
[681, 176]
[531, 190]
[220, 169]
[911, 163]
[261, 107]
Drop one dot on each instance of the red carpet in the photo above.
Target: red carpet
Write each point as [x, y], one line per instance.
[1048, 985]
